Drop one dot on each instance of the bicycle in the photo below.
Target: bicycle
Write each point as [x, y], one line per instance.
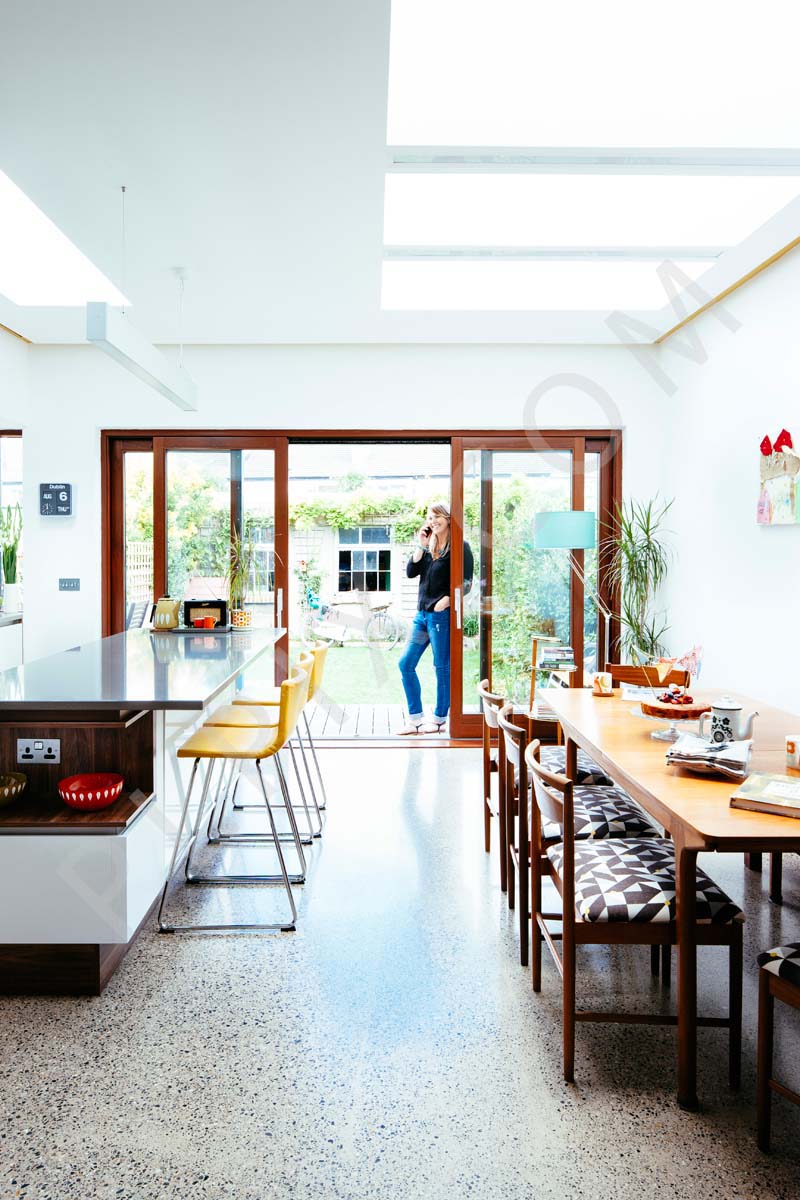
[347, 620]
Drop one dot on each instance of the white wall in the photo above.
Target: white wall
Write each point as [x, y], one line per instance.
[734, 586]
[75, 392]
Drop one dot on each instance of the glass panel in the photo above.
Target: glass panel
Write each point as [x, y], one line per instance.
[348, 536]
[257, 520]
[383, 581]
[591, 626]
[580, 210]
[359, 583]
[512, 73]
[138, 501]
[371, 557]
[525, 284]
[344, 581]
[521, 590]
[10, 471]
[358, 560]
[384, 559]
[198, 523]
[375, 533]
[344, 560]
[372, 581]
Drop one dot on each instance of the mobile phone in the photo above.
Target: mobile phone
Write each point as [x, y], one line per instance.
[427, 531]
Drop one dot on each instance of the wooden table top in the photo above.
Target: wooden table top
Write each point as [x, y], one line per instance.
[620, 741]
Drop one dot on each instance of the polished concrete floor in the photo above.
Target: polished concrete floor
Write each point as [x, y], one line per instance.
[391, 1047]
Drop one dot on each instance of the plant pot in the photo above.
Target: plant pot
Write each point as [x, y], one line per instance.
[12, 602]
[241, 618]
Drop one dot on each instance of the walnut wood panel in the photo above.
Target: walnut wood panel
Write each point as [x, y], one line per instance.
[124, 748]
[46, 813]
[62, 970]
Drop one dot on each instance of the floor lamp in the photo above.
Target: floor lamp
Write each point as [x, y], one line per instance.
[573, 531]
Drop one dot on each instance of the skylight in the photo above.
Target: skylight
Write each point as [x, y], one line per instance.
[39, 265]
[525, 285]
[526, 73]
[550, 210]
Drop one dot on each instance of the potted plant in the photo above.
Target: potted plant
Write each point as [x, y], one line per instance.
[10, 534]
[242, 567]
[638, 560]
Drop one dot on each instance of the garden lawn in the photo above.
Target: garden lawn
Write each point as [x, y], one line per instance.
[367, 675]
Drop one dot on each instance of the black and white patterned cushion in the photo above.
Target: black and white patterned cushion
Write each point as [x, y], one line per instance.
[605, 812]
[554, 758]
[621, 880]
[783, 961]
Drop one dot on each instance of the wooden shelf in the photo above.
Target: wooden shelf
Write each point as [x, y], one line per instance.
[49, 814]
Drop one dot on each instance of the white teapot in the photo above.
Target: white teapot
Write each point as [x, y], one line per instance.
[728, 722]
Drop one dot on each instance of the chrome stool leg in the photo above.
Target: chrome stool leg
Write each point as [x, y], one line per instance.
[302, 748]
[254, 835]
[312, 748]
[314, 833]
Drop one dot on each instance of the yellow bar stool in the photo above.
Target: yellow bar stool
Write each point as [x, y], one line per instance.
[319, 654]
[256, 716]
[220, 744]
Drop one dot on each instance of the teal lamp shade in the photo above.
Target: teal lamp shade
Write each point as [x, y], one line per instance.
[564, 530]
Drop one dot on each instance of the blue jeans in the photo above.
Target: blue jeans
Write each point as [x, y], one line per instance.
[428, 629]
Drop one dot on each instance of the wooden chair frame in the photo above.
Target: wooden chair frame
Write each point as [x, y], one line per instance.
[514, 739]
[552, 800]
[770, 988]
[491, 703]
[646, 676]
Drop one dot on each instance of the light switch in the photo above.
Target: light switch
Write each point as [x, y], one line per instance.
[69, 585]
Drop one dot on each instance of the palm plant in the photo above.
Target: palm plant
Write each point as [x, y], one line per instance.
[637, 562]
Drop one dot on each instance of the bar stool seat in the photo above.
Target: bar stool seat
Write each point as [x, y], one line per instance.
[220, 741]
[242, 716]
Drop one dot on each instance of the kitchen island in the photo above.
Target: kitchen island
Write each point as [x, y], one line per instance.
[77, 887]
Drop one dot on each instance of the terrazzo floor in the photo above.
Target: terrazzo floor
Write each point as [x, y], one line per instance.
[391, 1047]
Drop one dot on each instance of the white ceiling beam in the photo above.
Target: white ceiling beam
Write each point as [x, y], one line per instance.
[582, 160]
[109, 330]
[656, 254]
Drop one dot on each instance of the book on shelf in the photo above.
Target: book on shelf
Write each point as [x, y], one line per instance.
[776, 794]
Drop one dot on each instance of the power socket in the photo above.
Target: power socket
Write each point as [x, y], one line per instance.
[38, 750]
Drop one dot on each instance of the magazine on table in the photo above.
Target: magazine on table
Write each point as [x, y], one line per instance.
[776, 794]
[729, 758]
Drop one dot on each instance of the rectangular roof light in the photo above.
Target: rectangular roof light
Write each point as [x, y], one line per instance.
[597, 210]
[521, 73]
[455, 285]
[39, 265]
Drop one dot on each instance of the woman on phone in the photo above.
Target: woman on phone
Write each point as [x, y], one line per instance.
[430, 562]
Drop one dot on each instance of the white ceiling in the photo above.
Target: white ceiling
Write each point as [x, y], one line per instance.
[251, 138]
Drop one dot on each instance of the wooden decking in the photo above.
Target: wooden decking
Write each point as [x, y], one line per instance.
[355, 720]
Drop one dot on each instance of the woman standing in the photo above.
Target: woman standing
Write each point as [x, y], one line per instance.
[430, 562]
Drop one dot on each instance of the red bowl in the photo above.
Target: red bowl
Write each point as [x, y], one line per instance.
[85, 792]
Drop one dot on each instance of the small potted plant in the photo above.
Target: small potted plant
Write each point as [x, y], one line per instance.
[242, 567]
[10, 534]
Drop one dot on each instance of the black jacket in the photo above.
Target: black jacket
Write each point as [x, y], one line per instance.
[434, 577]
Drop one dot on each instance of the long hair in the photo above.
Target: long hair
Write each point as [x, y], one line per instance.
[441, 510]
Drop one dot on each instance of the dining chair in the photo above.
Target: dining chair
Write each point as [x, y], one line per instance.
[599, 812]
[491, 703]
[778, 978]
[640, 676]
[618, 891]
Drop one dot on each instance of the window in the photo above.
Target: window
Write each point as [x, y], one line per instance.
[365, 570]
[10, 470]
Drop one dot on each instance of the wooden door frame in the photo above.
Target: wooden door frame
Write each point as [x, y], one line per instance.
[603, 441]
[578, 443]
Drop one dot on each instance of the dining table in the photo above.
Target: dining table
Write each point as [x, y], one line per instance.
[694, 808]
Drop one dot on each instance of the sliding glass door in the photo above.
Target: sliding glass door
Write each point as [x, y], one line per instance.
[517, 591]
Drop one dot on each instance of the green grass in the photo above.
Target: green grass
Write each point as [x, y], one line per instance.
[365, 675]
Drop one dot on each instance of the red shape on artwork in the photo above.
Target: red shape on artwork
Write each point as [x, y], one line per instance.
[783, 441]
[766, 445]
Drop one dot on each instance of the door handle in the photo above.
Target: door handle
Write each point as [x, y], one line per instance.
[457, 597]
[278, 608]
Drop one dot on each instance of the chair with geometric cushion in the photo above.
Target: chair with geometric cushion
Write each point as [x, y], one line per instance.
[599, 812]
[618, 891]
[778, 977]
[491, 703]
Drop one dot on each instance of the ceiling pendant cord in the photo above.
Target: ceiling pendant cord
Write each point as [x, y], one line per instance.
[124, 249]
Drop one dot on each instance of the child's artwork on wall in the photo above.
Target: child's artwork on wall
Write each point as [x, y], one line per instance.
[779, 498]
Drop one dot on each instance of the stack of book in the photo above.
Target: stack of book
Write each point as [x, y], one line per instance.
[557, 658]
[729, 758]
[542, 711]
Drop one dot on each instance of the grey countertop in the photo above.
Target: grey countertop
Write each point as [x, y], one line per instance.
[136, 670]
